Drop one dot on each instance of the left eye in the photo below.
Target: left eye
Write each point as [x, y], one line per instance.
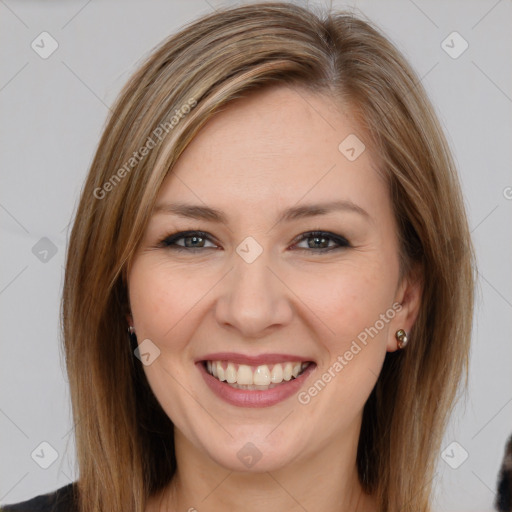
[321, 239]
[196, 239]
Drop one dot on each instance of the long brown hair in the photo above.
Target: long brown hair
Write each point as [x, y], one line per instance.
[124, 440]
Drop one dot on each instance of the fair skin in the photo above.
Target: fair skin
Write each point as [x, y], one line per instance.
[273, 150]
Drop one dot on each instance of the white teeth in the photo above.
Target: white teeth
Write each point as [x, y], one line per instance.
[220, 372]
[231, 373]
[287, 372]
[277, 374]
[260, 377]
[244, 375]
[253, 388]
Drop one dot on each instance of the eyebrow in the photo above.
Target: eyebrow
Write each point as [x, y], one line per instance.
[296, 212]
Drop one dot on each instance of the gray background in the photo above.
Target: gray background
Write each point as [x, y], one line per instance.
[53, 112]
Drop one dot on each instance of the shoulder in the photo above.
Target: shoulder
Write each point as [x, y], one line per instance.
[61, 500]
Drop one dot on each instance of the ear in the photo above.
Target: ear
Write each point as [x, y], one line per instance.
[124, 277]
[408, 302]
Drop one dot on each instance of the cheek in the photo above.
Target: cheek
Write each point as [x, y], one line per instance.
[350, 300]
[351, 305]
[160, 298]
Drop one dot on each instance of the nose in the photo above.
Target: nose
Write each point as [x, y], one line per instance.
[254, 298]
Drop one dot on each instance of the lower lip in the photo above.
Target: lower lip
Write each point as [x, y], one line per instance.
[255, 398]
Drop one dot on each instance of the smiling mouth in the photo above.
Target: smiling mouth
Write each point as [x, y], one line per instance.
[252, 378]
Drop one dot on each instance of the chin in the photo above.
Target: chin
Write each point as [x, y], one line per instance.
[252, 450]
[251, 459]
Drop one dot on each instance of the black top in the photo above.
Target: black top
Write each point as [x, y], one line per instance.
[61, 500]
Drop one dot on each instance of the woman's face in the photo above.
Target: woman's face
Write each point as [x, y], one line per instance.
[257, 301]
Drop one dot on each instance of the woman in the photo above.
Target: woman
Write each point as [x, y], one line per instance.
[274, 215]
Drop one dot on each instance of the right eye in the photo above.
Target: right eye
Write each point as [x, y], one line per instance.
[193, 240]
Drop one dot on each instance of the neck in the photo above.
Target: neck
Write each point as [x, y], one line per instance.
[327, 481]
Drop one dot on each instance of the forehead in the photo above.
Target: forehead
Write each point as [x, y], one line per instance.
[276, 145]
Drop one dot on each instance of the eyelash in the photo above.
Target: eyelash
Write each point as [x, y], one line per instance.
[169, 242]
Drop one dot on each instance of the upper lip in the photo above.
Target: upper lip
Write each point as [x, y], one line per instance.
[253, 360]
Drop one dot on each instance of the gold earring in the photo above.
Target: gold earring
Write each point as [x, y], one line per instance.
[402, 338]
